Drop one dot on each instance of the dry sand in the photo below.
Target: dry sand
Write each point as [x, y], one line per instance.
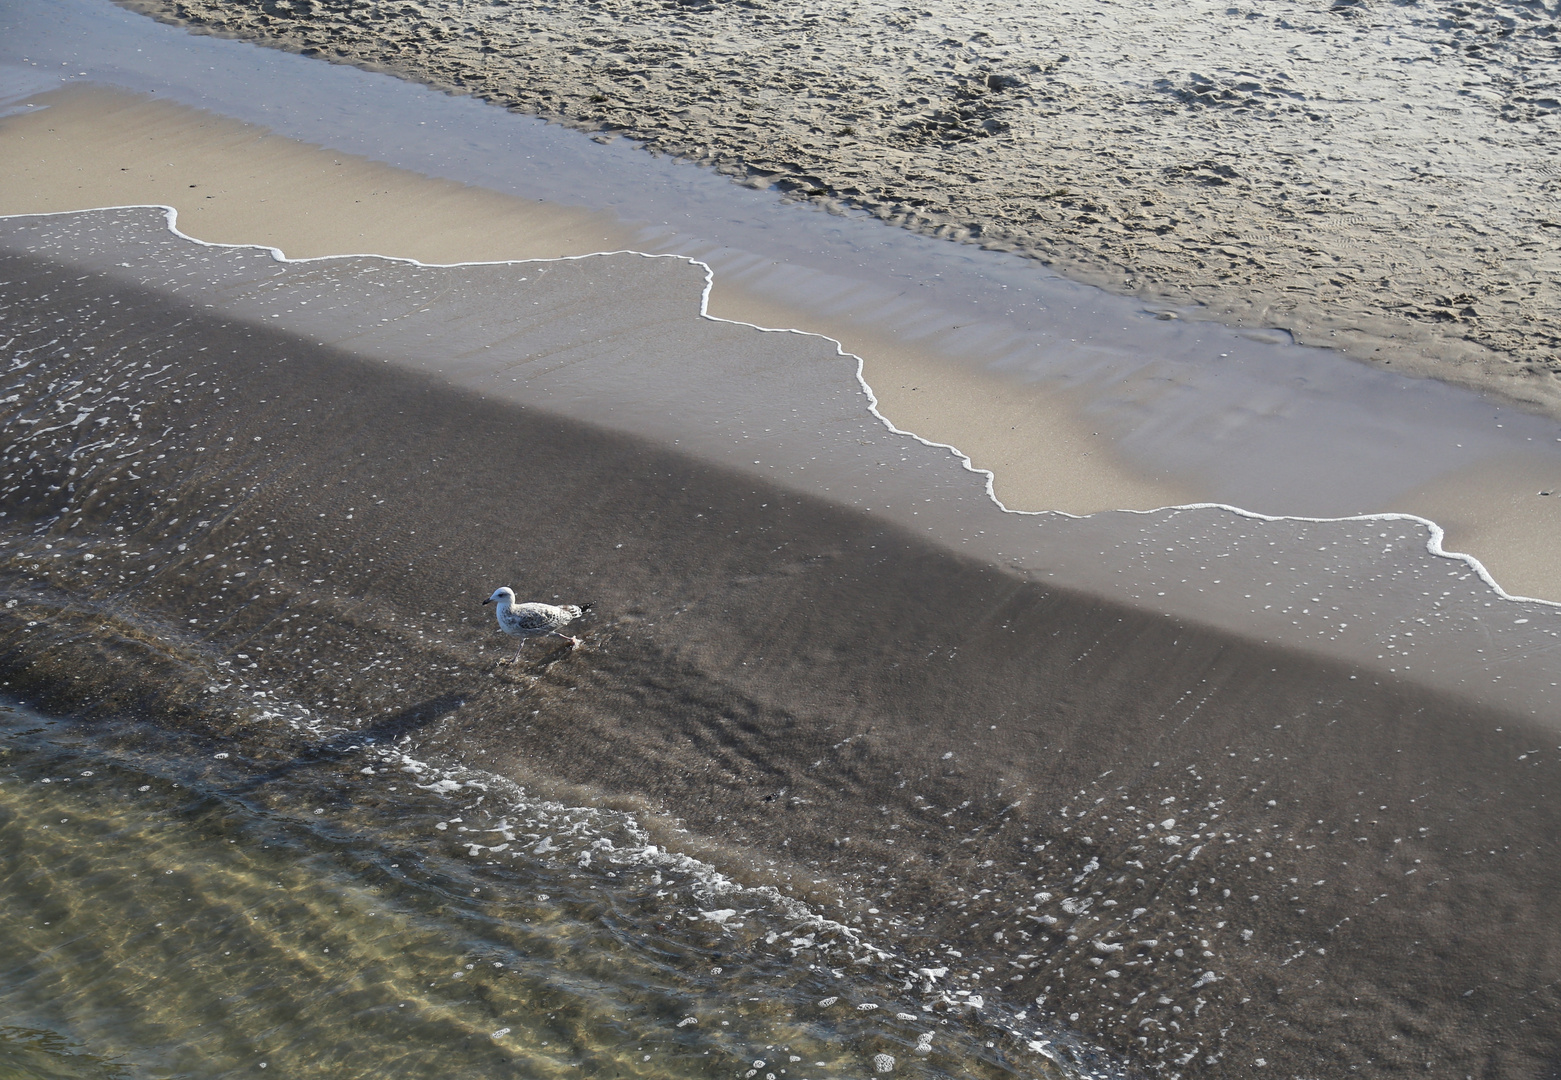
[1378, 177]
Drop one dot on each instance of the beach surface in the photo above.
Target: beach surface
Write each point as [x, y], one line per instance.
[1379, 178]
[836, 668]
[1196, 791]
[1048, 446]
[236, 183]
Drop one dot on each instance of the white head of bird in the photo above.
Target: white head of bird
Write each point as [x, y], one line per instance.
[504, 595]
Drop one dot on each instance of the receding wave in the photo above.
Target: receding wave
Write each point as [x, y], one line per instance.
[334, 907]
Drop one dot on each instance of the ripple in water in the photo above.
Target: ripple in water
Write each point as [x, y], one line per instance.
[179, 910]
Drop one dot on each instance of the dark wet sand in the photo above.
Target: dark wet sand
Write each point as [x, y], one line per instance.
[895, 725]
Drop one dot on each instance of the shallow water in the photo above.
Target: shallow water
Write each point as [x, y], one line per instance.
[835, 663]
[175, 909]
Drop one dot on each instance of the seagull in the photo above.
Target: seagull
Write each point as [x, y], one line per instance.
[533, 620]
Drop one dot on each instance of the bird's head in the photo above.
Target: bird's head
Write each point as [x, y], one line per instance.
[505, 594]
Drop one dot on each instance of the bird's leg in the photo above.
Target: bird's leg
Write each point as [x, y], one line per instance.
[574, 642]
[516, 660]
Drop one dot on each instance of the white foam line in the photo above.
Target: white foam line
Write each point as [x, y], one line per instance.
[1435, 533]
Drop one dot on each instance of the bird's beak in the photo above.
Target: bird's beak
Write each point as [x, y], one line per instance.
[488, 601]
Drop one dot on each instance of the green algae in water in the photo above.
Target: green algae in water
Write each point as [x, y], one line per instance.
[44, 1055]
[176, 910]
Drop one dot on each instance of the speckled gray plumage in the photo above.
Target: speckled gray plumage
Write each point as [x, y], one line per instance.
[533, 619]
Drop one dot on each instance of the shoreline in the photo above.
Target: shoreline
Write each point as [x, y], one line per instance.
[1214, 210]
[924, 726]
[469, 226]
[1159, 776]
[1435, 542]
[1050, 463]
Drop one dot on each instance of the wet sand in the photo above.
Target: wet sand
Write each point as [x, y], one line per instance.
[1049, 448]
[1377, 178]
[1090, 801]
[788, 407]
[840, 672]
[235, 183]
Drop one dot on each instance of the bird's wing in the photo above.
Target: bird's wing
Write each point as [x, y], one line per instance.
[535, 616]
